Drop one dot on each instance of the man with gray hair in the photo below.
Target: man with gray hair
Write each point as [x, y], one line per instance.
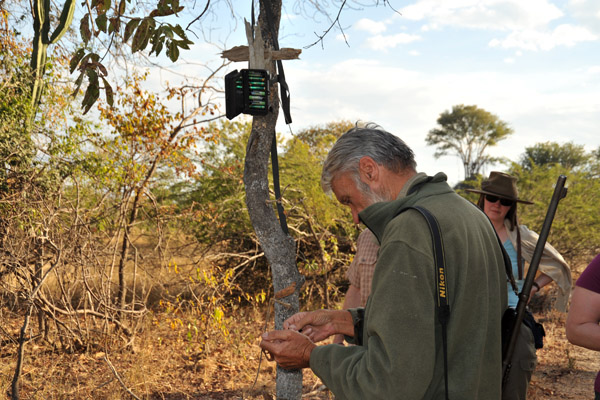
[400, 352]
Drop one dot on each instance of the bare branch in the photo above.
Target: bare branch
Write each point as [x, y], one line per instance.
[199, 16]
[335, 21]
[116, 374]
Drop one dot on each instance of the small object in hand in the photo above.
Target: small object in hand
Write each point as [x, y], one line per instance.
[268, 355]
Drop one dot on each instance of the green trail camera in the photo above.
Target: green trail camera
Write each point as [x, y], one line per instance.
[246, 91]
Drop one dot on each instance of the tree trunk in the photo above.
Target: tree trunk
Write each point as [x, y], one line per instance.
[279, 247]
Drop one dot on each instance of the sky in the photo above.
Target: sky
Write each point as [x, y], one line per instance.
[535, 64]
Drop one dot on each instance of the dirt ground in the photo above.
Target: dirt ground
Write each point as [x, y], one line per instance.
[165, 365]
[564, 371]
[165, 362]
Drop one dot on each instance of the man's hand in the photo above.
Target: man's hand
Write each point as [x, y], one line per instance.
[290, 349]
[319, 325]
[338, 339]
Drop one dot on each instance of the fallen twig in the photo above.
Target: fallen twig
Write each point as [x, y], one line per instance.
[116, 374]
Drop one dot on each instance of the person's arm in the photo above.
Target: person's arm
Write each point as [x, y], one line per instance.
[320, 324]
[352, 300]
[400, 345]
[291, 347]
[539, 282]
[582, 322]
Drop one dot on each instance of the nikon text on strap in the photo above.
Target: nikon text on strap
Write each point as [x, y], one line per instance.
[440, 273]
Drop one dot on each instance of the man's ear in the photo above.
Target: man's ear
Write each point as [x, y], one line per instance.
[368, 169]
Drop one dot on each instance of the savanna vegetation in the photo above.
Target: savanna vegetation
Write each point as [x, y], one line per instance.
[128, 264]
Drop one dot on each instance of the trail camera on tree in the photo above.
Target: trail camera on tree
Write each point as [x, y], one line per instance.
[247, 91]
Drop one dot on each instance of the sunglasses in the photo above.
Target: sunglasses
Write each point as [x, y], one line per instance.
[504, 202]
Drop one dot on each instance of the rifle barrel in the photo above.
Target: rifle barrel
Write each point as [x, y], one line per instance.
[559, 192]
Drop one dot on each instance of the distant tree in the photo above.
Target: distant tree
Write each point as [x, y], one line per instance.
[145, 137]
[323, 230]
[568, 155]
[320, 138]
[468, 131]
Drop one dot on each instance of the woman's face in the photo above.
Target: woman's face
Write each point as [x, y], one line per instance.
[495, 210]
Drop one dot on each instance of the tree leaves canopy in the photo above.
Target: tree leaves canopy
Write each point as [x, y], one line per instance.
[468, 131]
[568, 155]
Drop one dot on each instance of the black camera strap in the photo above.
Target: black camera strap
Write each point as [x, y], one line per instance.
[443, 307]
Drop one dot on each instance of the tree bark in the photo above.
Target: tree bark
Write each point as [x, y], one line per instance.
[279, 247]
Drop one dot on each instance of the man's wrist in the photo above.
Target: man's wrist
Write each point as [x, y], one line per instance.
[307, 352]
[345, 325]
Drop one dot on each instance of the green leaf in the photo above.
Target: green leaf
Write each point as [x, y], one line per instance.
[141, 37]
[84, 28]
[168, 31]
[92, 93]
[114, 24]
[164, 11]
[158, 47]
[78, 83]
[109, 92]
[101, 22]
[102, 68]
[130, 28]
[75, 59]
[157, 41]
[179, 31]
[172, 51]
[122, 7]
[183, 44]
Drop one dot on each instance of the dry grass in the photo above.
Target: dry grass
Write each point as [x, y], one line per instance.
[170, 360]
[165, 364]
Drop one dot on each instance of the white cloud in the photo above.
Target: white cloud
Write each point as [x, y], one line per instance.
[414, 53]
[370, 26]
[563, 106]
[483, 14]
[587, 12]
[509, 60]
[562, 35]
[528, 23]
[594, 70]
[381, 42]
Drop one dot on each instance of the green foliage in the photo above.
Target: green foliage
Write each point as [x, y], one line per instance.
[102, 19]
[321, 138]
[569, 155]
[217, 195]
[16, 144]
[216, 200]
[324, 230]
[468, 131]
[301, 165]
[576, 227]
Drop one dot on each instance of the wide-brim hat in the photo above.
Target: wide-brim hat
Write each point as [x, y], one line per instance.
[501, 185]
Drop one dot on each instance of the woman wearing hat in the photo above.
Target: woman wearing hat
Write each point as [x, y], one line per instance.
[498, 199]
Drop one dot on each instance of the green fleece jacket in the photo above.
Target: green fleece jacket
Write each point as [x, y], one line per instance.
[401, 356]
